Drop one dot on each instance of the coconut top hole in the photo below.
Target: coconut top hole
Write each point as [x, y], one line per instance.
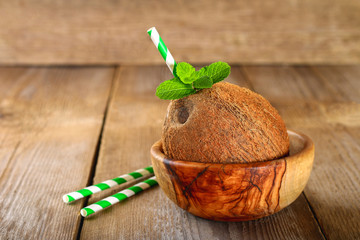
[182, 115]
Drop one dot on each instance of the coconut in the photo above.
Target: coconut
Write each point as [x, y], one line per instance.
[224, 124]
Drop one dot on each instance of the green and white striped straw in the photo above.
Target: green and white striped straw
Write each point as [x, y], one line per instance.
[164, 51]
[142, 172]
[120, 196]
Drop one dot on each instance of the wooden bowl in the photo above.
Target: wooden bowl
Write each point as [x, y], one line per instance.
[233, 191]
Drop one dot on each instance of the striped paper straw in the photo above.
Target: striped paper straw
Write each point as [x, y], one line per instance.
[142, 172]
[164, 51]
[120, 196]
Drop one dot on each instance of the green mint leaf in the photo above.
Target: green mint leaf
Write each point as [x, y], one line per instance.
[203, 82]
[184, 71]
[174, 89]
[188, 80]
[197, 74]
[218, 71]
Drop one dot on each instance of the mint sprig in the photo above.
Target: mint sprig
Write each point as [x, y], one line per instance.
[188, 81]
[174, 89]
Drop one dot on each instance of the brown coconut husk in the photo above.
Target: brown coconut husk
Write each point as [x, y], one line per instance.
[224, 124]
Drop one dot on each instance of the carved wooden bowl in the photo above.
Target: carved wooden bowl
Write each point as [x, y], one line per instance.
[232, 191]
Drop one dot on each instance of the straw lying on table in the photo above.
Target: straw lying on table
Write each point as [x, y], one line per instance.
[120, 196]
[142, 172]
[164, 51]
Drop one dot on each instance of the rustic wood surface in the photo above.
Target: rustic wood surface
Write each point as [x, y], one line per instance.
[63, 128]
[107, 32]
[50, 121]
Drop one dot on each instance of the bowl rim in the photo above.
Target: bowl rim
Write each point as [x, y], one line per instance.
[308, 148]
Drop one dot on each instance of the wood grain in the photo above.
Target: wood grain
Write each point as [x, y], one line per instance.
[112, 32]
[324, 103]
[235, 191]
[133, 124]
[221, 192]
[336, 199]
[50, 120]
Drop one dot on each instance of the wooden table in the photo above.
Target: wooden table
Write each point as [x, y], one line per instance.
[63, 128]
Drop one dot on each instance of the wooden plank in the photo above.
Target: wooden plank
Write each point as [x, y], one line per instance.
[108, 32]
[133, 124]
[50, 121]
[336, 200]
[333, 190]
[344, 80]
[281, 85]
[306, 99]
[323, 102]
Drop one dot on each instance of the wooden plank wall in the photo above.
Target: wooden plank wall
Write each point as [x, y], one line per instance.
[114, 32]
